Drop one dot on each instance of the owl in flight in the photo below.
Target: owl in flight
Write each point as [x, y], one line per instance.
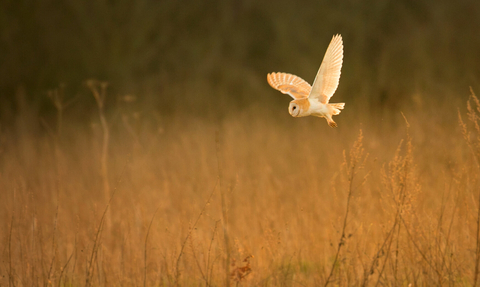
[313, 101]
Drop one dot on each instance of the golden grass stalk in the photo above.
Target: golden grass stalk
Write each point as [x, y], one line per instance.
[472, 137]
[99, 91]
[177, 264]
[145, 252]
[352, 165]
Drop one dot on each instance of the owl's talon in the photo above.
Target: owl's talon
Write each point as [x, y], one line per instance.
[333, 124]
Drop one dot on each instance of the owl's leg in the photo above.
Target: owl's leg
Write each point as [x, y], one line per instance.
[331, 122]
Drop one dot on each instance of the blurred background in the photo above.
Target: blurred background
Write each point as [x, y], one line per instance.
[213, 56]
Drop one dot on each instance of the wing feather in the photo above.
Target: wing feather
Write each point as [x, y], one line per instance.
[328, 76]
[290, 84]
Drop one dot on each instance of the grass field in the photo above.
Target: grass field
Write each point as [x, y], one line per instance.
[254, 198]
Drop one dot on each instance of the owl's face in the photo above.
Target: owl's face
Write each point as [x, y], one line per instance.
[294, 109]
[297, 108]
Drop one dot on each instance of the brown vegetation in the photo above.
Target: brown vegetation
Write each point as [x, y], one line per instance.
[397, 204]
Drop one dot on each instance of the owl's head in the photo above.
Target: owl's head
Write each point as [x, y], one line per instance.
[298, 107]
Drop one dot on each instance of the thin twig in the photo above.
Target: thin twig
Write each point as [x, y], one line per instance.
[192, 246]
[145, 254]
[473, 117]
[380, 251]
[90, 269]
[100, 96]
[11, 281]
[224, 211]
[355, 155]
[68, 261]
[177, 270]
[209, 252]
[54, 249]
[418, 248]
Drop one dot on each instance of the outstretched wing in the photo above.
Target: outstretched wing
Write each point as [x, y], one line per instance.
[328, 76]
[290, 84]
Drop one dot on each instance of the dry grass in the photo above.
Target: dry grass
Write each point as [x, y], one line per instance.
[255, 199]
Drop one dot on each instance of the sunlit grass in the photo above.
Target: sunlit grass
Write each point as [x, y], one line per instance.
[288, 201]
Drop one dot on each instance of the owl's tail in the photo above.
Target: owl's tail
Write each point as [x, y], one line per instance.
[336, 108]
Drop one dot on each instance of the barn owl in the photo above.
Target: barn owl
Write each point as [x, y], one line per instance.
[313, 101]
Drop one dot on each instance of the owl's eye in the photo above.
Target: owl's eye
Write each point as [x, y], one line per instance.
[294, 107]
